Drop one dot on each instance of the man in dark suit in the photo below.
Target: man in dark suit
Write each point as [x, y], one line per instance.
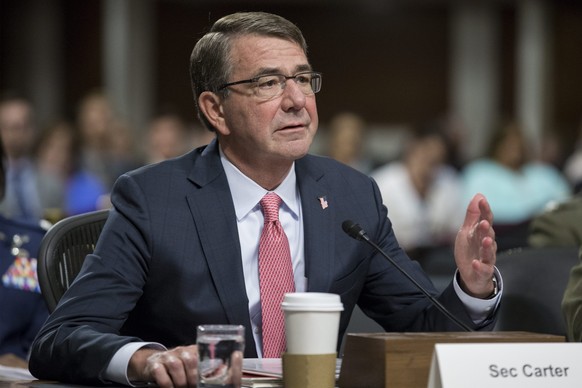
[180, 247]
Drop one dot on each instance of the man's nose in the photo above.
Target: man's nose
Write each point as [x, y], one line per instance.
[293, 97]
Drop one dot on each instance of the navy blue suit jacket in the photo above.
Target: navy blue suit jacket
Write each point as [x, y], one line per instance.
[169, 259]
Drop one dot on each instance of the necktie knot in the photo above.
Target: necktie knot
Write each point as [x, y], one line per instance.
[270, 204]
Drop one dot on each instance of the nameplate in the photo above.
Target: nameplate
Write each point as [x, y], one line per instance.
[496, 365]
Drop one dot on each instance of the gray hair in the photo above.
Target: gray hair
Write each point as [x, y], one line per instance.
[210, 61]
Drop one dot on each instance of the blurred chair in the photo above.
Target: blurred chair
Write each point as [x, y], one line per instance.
[439, 264]
[63, 250]
[534, 280]
[511, 235]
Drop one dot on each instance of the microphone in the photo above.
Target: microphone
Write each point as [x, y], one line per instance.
[357, 232]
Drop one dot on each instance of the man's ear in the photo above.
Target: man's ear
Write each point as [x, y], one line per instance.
[211, 106]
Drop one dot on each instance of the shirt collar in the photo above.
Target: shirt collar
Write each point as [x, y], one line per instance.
[246, 193]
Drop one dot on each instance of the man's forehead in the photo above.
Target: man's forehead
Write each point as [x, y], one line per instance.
[263, 54]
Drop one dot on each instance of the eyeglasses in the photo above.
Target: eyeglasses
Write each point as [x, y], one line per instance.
[272, 85]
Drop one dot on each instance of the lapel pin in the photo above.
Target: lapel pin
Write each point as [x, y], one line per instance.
[323, 202]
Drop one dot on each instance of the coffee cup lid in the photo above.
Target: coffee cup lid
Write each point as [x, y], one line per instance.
[312, 301]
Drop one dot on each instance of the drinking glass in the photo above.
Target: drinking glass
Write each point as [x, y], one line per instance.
[216, 344]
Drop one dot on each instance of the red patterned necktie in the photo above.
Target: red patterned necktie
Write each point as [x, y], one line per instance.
[275, 276]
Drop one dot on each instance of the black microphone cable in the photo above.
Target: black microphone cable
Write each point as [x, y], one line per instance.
[357, 232]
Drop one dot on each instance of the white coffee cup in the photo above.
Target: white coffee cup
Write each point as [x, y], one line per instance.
[312, 322]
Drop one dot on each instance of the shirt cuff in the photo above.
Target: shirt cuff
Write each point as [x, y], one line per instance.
[479, 309]
[117, 369]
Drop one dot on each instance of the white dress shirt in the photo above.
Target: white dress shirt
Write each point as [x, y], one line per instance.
[249, 217]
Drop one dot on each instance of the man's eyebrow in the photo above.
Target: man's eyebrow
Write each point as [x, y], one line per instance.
[305, 67]
[276, 70]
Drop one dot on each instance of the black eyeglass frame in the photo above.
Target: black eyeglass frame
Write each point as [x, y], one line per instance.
[316, 75]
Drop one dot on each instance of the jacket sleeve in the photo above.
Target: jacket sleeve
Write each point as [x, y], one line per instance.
[80, 337]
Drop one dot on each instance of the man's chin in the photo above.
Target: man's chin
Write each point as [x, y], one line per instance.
[297, 149]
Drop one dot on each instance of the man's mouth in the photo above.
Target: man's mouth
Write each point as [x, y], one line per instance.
[293, 126]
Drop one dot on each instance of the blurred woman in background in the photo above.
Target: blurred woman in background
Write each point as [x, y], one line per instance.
[517, 186]
[58, 155]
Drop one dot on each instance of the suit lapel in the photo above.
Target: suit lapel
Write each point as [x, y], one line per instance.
[214, 215]
[318, 225]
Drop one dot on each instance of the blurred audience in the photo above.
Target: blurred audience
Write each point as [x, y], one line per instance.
[422, 192]
[108, 143]
[28, 194]
[168, 136]
[573, 164]
[552, 150]
[22, 307]
[517, 186]
[95, 119]
[346, 136]
[58, 156]
[456, 132]
[124, 152]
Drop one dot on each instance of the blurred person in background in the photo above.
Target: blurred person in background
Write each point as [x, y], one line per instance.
[560, 224]
[346, 137]
[422, 192]
[518, 187]
[572, 303]
[27, 193]
[96, 122]
[168, 137]
[22, 307]
[123, 154]
[552, 150]
[573, 164]
[58, 157]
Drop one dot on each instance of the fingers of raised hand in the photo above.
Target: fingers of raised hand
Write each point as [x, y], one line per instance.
[486, 239]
